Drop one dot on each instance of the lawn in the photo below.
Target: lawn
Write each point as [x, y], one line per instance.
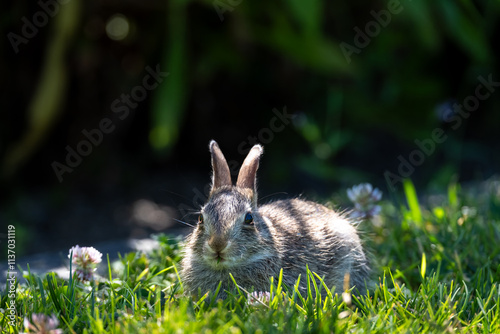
[436, 269]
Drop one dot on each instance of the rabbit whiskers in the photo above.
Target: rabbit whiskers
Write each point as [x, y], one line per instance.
[183, 222]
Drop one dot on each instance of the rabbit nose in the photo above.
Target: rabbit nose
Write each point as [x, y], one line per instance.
[218, 244]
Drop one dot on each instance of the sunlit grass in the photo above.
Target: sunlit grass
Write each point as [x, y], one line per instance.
[436, 268]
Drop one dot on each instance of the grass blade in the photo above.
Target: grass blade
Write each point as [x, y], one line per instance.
[412, 200]
[423, 267]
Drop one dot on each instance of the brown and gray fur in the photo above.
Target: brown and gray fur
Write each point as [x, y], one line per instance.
[288, 234]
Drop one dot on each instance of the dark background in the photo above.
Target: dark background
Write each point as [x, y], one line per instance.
[227, 73]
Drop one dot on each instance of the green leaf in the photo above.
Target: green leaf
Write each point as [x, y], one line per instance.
[453, 194]
[50, 92]
[308, 13]
[421, 14]
[465, 32]
[311, 51]
[412, 200]
[423, 267]
[142, 274]
[170, 96]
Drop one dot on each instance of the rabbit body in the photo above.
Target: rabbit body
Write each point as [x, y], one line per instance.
[235, 236]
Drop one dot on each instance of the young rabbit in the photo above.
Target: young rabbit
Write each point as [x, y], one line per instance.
[235, 235]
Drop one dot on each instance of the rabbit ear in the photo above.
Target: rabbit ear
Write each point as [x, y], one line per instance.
[248, 171]
[221, 174]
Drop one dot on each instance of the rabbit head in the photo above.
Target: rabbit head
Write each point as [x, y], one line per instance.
[230, 231]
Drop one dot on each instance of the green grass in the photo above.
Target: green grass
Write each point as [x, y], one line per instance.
[436, 268]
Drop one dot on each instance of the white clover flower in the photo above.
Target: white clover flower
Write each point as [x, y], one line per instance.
[256, 298]
[83, 255]
[365, 199]
[42, 324]
[85, 260]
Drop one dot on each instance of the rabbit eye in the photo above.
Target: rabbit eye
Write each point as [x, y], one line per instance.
[200, 219]
[249, 219]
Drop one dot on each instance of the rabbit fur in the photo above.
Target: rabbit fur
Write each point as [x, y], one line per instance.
[288, 234]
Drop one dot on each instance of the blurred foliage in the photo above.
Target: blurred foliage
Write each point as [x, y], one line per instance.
[46, 103]
[232, 62]
[170, 100]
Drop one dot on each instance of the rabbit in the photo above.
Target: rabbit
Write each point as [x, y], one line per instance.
[234, 235]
